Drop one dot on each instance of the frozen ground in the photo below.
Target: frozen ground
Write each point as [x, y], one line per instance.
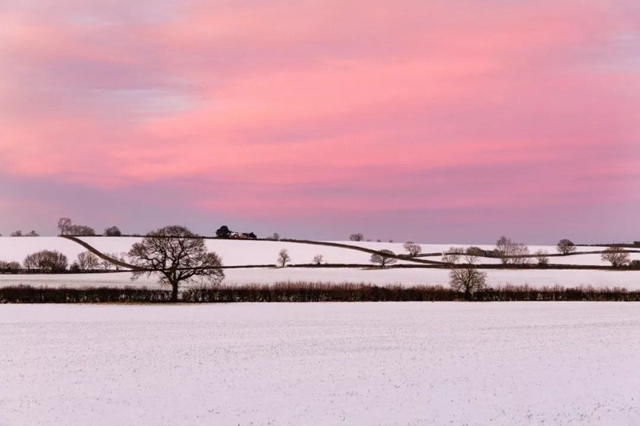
[498, 364]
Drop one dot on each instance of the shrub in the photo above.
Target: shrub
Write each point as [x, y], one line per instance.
[542, 256]
[356, 237]
[635, 265]
[46, 261]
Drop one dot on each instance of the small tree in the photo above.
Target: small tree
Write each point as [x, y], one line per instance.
[46, 261]
[9, 266]
[474, 251]
[452, 255]
[32, 233]
[223, 232]
[542, 256]
[283, 258]
[566, 246]
[383, 258]
[87, 261]
[17, 233]
[106, 265]
[467, 278]
[512, 253]
[63, 225]
[318, 259]
[178, 256]
[356, 237]
[275, 236]
[616, 255]
[412, 248]
[112, 231]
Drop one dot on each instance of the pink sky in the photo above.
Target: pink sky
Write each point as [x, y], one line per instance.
[438, 121]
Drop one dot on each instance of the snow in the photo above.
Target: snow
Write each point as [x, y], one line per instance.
[239, 252]
[406, 277]
[503, 364]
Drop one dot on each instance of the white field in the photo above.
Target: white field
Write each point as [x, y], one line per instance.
[499, 364]
[236, 252]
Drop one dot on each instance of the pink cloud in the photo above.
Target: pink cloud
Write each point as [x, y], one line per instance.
[271, 96]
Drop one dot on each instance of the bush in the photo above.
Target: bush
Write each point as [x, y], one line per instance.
[542, 256]
[635, 265]
[356, 237]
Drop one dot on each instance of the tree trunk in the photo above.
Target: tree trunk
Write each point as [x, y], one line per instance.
[174, 292]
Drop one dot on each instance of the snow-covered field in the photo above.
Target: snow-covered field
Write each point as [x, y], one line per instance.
[499, 364]
[266, 252]
[405, 277]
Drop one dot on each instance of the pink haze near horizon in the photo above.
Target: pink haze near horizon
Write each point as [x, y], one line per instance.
[438, 121]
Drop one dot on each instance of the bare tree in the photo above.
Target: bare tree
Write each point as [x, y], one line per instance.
[318, 259]
[467, 278]
[32, 233]
[616, 255]
[383, 258]
[9, 266]
[474, 251]
[46, 261]
[356, 237]
[87, 261]
[283, 258]
[452, 255]
[275, 236]
[566, 246]
[63, 225]
[81, 230]
[178, 256]
[17, 233]
[112, 231]
[542, 256]
[412, 248]
[107, 265]
[512, 253]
